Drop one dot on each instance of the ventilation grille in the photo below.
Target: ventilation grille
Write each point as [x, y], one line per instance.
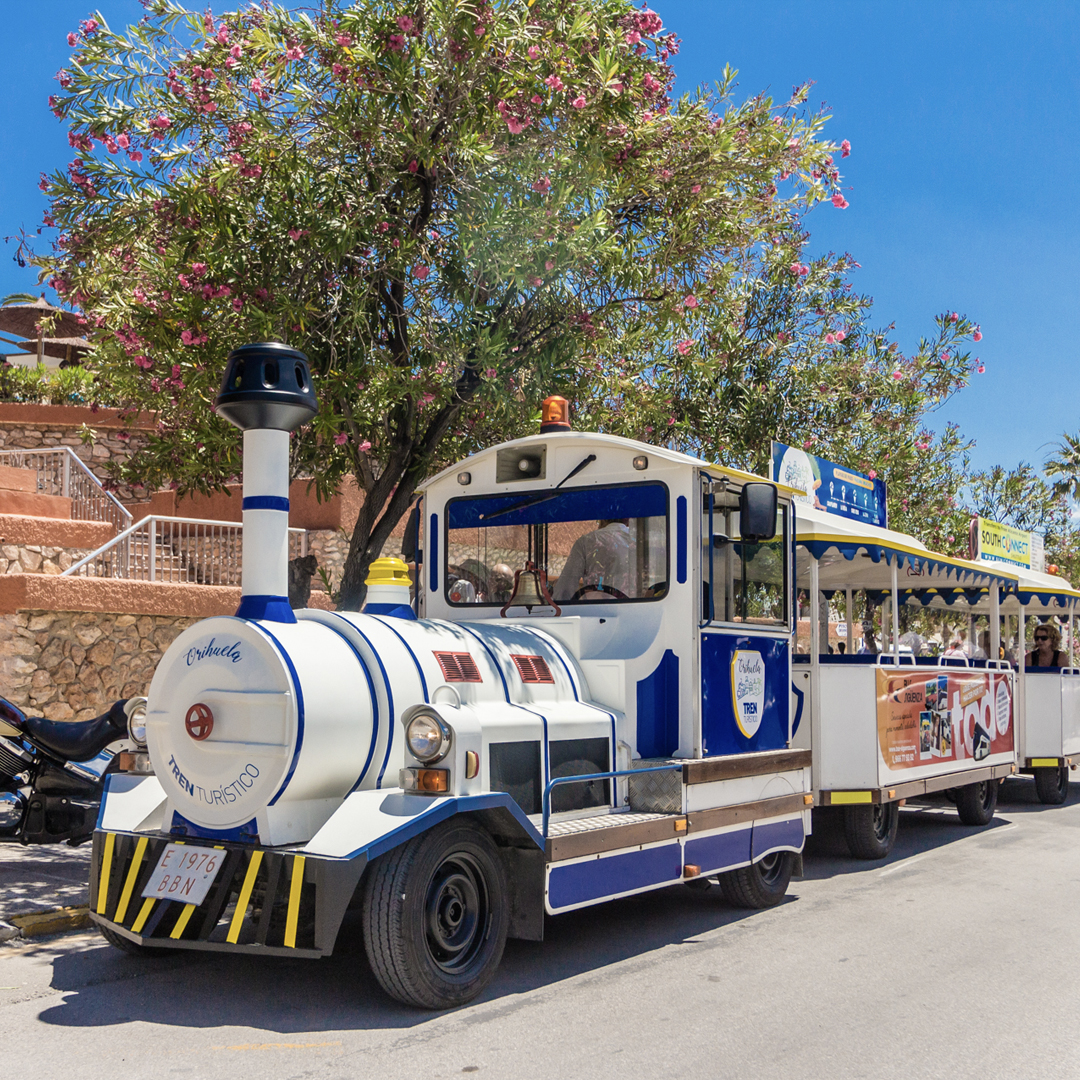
[533, 669]
[458, 667]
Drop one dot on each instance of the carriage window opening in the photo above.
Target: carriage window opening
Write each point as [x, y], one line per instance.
[749, 581]
[597, 544]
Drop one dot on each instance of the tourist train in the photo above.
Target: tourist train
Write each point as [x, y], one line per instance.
[583, 686]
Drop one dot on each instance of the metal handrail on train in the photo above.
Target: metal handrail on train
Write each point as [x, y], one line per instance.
[610, 774]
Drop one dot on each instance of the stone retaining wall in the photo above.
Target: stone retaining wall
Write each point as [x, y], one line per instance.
[37, 558]
[73, 665]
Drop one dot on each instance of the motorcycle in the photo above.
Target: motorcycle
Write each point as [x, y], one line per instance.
[52, 773]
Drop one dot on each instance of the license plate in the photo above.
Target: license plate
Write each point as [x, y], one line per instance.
[184, 873]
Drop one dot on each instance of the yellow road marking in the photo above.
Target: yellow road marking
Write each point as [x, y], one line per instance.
[106, 869]
[129, 885]
[245, 896]
[294, 901]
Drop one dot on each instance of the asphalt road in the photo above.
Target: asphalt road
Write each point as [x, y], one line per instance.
[954, 958]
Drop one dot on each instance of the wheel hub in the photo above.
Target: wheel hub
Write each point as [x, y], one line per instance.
[456, 913]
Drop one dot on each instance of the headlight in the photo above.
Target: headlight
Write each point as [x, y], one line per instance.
[136, 721]
[428, 738]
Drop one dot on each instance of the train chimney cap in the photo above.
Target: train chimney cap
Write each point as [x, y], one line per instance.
[554, 415]
[266, 385]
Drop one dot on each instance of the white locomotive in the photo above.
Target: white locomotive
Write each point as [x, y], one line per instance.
[594, 702]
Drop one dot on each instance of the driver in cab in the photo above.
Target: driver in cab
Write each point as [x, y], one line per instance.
[600, 563]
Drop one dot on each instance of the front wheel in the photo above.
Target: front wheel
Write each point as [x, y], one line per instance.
[1052, 785]
[761, 885]
[975, 803]
[870, 831]
[436, 916]
[118, 941]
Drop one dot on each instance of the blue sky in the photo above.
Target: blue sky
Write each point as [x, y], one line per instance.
[964, 175]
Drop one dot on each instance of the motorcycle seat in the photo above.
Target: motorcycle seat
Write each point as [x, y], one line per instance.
[75, 740]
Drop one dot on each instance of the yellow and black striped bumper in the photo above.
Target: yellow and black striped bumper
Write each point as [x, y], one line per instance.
[270, 901]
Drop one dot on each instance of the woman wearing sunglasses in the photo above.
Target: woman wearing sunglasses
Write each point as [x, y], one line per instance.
[1047, 648]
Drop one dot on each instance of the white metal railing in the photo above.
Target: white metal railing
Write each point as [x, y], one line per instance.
[175, 549]
[60, 471]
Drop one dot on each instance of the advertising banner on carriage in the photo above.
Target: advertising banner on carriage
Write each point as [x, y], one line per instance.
[829, 486]
[937, 718]
[995, 542]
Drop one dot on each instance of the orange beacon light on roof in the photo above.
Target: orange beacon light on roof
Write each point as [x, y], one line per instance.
[554, 415]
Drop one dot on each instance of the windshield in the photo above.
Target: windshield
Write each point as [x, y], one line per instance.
[597, 544]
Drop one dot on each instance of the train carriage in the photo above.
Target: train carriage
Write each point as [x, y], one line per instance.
[593, 702]
[887, 725]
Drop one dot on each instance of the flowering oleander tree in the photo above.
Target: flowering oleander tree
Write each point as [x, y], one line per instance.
[455, 207]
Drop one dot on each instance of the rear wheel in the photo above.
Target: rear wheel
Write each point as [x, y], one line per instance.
[975, 803]
[1052, 785]
[436, 916]
[870, 831]
[761, 885]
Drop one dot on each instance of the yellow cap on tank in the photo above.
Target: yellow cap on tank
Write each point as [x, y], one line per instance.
[391, 571]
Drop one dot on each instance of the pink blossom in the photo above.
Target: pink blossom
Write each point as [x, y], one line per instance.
[535, 281]
[845, 148]
[840, 202]
[161, 122]
[337, 70]
[298, 234]
[396, 42]
[340, 439]
[695, 189]
[144, 362]
[945, 356]
[543, 185]
[123, 141]
[829, 339]
[536, 99]
[420, 271]
[533, 51]
[344, 40]
[840, 335]
[222, 35]
[405, 24]
[977, 336]
[413, 166]
[364, 447]
[632, 38]
[953, 317]
[578, 102]
[236, 52]
[690, 301]
[198, 269]
[294, 52]
[652, 84]
[135, 155]
[490, 373]
[515, 125]
[237, 303]
[479, 31]
[671, 421]
[872, 474]
[73, 40]
[981, 369]
[648, 431]
[426, 399]
[807, 444]
[89, 26]
[43, 183]
[897, 375]
[683, 347]
[795, 268]
[549, 265]
[554, 82]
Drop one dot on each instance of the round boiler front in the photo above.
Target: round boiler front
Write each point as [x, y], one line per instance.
[242, 715]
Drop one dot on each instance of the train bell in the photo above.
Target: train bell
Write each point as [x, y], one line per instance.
[530, 590]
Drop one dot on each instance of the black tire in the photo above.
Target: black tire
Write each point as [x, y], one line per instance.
[870, 830]
[436, 913]
[761, 885]
[1052, 785]
[133, 948]
[975, 803]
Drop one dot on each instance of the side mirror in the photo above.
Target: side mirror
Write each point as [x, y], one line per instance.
[410, 541]
[757, 512]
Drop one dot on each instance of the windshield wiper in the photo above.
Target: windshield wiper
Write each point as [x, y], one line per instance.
[547, 496]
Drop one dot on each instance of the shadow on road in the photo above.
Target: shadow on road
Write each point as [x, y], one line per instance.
[281, 997]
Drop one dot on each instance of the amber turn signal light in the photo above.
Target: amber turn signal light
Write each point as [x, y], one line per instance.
[472, 764]
[433, 779]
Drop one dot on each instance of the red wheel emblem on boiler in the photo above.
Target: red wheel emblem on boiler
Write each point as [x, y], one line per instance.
[199, 721]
